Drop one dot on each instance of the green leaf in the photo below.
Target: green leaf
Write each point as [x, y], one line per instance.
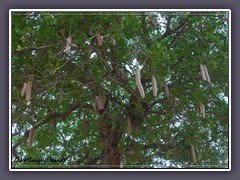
[19, 48]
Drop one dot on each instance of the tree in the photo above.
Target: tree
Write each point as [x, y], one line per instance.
[75, 102]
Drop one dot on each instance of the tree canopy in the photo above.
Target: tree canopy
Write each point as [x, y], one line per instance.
[76, 103]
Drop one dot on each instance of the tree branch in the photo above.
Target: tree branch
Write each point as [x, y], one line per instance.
[50, 118]
[176, 29]
[35, 48]
[168, 23]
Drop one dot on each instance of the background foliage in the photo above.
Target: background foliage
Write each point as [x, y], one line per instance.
[163, 128]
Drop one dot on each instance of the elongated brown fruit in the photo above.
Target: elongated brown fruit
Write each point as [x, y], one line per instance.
[67, 49]
[113, 41]
[31, 137]
[154, 84]
[69, 41]
[68, 45]
[100, 102]
[121, 163]
[198, 109]
[95, 105]
[24, 89]
[153, 22]
[203, 72]
[99, 39]
[206, 74]
[166, 89]
[28, 90]
[203, 110]
[194, 159]
[139, 84]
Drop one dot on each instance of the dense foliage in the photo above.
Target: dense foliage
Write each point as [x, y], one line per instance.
[73, 129]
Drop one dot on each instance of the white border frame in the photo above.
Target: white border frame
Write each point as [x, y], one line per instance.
[120, 10]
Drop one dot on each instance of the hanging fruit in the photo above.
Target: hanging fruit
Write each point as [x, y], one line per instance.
[153, 22]
[68, 45]
[194, 159]
[24, 89]
[154, 84]
[101, 102]
[121, 163]
[139, 84]
[99, 39]
[201, 110]
[203, 72]
[206, 74]
[113, 41]
[31, 137]
[166, 89]
[29, 88]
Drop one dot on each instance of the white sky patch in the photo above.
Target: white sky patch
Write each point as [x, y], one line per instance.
[160, 19]
[167, 163]
[87, 42]
[128, 68]
[93, 55]
[14, 127]
[226, 99]
[222, 96]
[134, 63]
[68, 138]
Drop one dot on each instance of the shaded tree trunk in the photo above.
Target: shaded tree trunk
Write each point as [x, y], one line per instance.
[112, 156]
[110, 140]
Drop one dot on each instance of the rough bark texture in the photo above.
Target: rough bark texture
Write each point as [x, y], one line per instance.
[110, 139]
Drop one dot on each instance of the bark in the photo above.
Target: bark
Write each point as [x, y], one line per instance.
[110, 140]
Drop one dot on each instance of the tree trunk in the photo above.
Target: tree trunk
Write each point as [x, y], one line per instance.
[110, 140]
[112, 157]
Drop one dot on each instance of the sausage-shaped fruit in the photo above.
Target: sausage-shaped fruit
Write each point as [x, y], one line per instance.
[68, 45]
[166, 89]
[207, 74]
[24, 89]
[203, 110]
[139, 84]
[28, 90]
[99, 39]
[154, 84]
[203, 72]
[194, 159]
[31, 137]
[113, 41]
